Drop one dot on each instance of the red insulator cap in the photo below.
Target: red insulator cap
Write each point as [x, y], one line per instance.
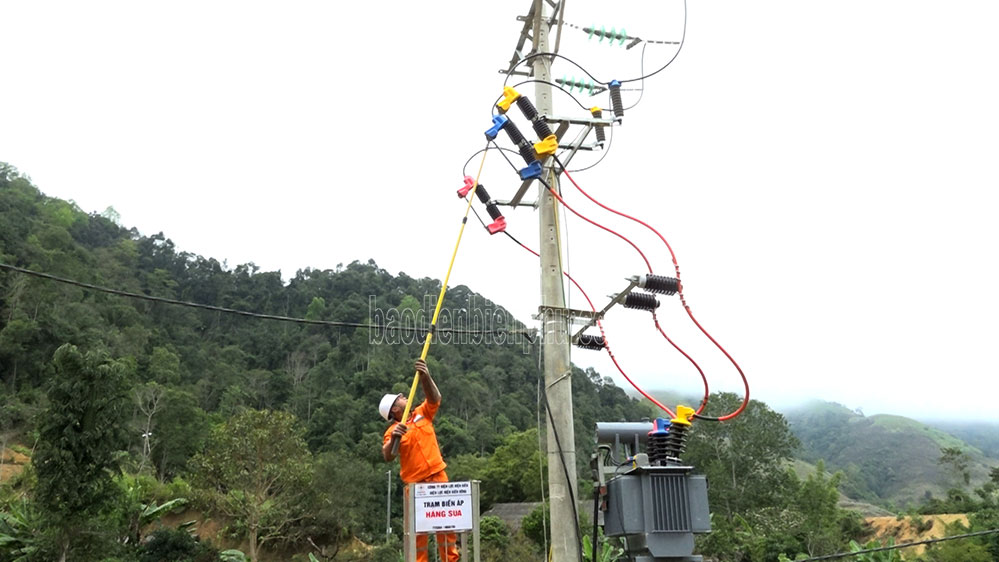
[469, 184]
[499, 225]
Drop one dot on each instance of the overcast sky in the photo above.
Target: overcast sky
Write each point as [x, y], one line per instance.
[826, 171]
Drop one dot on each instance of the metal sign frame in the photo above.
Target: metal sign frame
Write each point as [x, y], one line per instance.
[409, 524]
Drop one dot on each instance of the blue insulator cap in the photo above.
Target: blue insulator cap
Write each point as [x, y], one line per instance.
[660, 427]
[614, 84]
[532, 171]
[499, 121]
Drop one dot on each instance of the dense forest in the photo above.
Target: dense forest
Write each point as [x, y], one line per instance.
[136, 422]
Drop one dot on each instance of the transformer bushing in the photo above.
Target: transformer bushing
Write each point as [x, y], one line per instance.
[657, 510]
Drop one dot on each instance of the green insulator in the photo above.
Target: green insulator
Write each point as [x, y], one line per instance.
[590, 34]
[603, 33]
[623, 36]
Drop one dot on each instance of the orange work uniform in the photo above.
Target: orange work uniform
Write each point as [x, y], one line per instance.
[420, 460]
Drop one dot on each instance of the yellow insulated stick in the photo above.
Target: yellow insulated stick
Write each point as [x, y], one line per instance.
[440, 301]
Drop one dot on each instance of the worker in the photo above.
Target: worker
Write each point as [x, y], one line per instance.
[420, 457]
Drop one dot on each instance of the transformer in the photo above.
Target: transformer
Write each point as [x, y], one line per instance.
[656, 510]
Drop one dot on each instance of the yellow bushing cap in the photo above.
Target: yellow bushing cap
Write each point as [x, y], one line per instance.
[683, 415]
[546, 147]
[509, 96]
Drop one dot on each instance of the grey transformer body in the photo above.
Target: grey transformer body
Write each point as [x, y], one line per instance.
[657, 510]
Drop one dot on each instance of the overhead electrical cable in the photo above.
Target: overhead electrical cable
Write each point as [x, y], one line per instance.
[257, 315]
[554, 55]
[683, 300]
[606, 150]
[613, 35]
[613, 358]
[558, 86]
[480, 151]
[683, 39]
[900, 545]
[655, 319]
[599, 324]
[531, 56]
[641, 90]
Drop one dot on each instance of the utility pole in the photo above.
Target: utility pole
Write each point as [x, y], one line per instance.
[388, 508]
[558, 383]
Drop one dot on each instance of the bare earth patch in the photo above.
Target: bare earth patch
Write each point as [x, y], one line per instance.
[905, 530]
[11, 464]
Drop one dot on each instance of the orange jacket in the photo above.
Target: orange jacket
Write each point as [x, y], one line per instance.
[419, 455]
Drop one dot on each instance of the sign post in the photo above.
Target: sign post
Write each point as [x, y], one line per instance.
[442, 507]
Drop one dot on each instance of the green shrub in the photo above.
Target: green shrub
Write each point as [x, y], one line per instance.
[536, 525]
[176, 545]
[388, 552]
[493, 531]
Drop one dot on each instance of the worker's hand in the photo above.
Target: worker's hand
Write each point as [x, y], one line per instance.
[421, 367]
[400, 430]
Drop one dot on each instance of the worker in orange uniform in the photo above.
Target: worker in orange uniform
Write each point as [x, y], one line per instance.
[420, 457]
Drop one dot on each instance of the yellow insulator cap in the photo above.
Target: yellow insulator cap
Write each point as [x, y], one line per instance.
[683, 415]
[546, 147]
[509, 96]
[595, 110]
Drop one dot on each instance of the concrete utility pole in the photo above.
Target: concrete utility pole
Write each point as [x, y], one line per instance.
[558, 384]
[388, 508]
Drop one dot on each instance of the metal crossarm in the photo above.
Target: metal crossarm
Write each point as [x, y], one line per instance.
[529, 33]
[615, 299]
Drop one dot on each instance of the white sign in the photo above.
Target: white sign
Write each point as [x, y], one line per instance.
[444, 506]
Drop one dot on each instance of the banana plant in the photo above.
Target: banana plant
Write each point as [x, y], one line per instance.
[232, 555]
[17, 533]
[607, 552]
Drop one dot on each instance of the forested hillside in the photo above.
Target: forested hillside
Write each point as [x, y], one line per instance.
[185, 371]
[123, 413]
[856, 444]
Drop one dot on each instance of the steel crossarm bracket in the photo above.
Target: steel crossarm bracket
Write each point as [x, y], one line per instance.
[529, 33]
[615, 299]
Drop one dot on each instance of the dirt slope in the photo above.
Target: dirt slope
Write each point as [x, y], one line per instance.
[905, 530]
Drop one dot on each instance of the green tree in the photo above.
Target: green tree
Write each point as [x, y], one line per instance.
[957, 460]
[341, 502]
[752, 491]
[817, 501]
[514, 472]
[80, 436]
[180, 432]
[253, 468]
[744, 458]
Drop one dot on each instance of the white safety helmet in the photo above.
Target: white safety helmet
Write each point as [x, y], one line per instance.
[385, 406]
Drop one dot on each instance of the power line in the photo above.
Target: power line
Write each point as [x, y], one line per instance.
[49, 277]
[550, 83]
[903, 545]
[683, 39]
[613, 35]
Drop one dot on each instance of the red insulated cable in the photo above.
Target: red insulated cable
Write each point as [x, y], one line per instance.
[704, 378]
[562, 201]
[683, 300]
[604, 335]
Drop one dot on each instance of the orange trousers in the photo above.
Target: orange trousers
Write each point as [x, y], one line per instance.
[447, 543]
